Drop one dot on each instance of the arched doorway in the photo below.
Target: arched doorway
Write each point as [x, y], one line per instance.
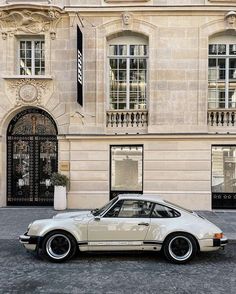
[31, 158]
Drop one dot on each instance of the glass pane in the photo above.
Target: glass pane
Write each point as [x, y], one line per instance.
[21, 160]
[212, 62]
[28, 53]
[113, 63]
[28, 45]
[216, 98]
[133, 63]
[114, 75]
[135, 208]
[232, 49]
[221, 62]
[37, 45]
[122, 50]
[22, 45]
[221, 49]
[212, 49]
[37, 54]
[138, 50]
[122, 75]
[163, 212]
[232, 68]
[224, 169]
[37, 71]
[22, 54]
[37, 63]
[142, 64]
[232, 98]
[113, 50]
[122, 63]
[126, 168]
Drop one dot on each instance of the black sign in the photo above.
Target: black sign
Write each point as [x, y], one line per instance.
[79, 66]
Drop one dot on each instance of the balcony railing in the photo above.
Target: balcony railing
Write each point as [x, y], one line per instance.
[221, 118]
[127, 118]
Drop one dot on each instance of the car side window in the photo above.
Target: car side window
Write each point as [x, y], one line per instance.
[130, 209]
[161, 211]
[114, 211]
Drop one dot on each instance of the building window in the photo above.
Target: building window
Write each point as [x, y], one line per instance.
[126, 169]
[224, 169]
[127, 73]
[224, 177]
[31, 57]
[222, 75]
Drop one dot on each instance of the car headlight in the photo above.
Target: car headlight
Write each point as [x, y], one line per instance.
[218, 236]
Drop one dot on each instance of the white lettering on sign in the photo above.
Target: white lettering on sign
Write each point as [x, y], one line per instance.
[80, 68]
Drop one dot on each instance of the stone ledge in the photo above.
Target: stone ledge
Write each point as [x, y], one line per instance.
[34, 77]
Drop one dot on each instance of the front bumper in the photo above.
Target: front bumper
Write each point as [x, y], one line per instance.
[30, 242]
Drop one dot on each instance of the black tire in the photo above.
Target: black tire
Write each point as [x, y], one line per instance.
[180, 248]
[59, 246]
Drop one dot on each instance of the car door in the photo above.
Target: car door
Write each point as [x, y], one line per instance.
[123, 227]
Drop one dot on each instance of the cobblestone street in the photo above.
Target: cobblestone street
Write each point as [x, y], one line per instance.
[22, 272]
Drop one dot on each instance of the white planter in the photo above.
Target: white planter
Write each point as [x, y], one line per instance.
[59, 198]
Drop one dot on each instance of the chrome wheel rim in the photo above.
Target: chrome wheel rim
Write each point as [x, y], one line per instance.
[58, 246]
[180, 248]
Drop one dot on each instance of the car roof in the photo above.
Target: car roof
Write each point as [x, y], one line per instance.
[147, 197]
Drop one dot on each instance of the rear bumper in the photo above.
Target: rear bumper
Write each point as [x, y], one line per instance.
[212, 244]
[29, 242]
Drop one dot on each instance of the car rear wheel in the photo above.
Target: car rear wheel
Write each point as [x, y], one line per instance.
[58, 246]
[180, 248]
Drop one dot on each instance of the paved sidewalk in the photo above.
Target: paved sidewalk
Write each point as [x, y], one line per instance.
[14, 220]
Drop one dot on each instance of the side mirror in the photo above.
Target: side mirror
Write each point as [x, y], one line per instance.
[97, 218]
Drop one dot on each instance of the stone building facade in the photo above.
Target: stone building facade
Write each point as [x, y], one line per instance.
[121, 96]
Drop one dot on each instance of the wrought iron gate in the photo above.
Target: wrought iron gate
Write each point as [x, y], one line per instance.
[31, 158]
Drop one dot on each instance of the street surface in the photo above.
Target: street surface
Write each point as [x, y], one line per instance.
[22, 272]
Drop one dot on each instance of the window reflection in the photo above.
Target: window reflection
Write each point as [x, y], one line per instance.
[126, 168]
[224, 169]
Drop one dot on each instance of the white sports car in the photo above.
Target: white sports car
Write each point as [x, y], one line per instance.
[128, 222]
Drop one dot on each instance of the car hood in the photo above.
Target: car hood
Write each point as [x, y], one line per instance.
[74, 214]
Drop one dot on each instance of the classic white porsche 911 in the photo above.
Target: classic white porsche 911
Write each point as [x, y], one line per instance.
[128, 222]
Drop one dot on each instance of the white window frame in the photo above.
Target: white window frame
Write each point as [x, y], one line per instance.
[127, 40]
[32, 40]
[225, 40]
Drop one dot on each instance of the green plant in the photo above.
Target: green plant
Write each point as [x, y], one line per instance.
[58, 179]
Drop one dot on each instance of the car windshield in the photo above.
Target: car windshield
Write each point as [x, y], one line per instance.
[178, 206]
[98, 211]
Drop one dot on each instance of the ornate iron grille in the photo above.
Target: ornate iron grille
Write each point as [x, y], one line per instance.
[31, 158]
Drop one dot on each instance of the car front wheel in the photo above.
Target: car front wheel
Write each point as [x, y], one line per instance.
[58, 246]
[180, 248]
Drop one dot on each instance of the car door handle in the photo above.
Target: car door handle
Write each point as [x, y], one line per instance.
[144, 224]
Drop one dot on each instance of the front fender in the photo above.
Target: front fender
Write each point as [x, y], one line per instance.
[42, 227]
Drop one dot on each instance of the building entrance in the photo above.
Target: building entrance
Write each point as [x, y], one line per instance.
[32, 154]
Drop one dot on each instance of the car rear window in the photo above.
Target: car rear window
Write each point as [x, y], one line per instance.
[161, 211]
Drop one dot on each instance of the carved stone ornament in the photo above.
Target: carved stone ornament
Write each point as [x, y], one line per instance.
[29, 21]
[127, 18]
[230, 19]
[28, 91]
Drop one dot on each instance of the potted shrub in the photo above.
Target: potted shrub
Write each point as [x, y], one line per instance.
[59, 182]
